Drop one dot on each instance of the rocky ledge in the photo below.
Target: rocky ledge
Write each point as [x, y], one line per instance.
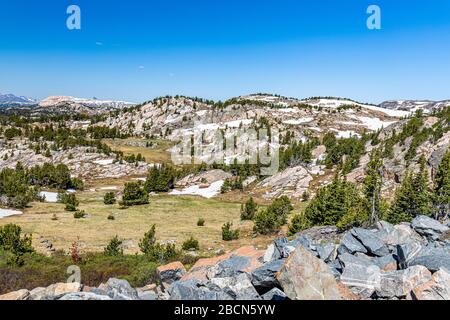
[406, 261]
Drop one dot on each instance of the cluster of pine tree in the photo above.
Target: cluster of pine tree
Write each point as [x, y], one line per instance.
[18, 185]
[160, 179]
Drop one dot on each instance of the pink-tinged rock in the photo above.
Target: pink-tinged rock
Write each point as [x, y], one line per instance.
[436, 289]
[305, 277]
[170, 273]
[205, 269]
[16, 295]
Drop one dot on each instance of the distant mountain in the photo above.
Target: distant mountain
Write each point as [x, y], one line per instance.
[413, 105]
[10, 100]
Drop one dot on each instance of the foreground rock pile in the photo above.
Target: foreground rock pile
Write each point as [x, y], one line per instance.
[405, 261]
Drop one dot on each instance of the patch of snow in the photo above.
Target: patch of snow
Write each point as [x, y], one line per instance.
[237, 123]
[109, 188]
[195, 190]
[104, 162]
[389, 112]
[298, 121]
[345, 133]
[7, 213]
[374, 123]
[51, 197]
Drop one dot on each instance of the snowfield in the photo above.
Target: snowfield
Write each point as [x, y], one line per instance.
[51, 197]
[104, 162]
[211, 191]
[7, 213]
[298, 121]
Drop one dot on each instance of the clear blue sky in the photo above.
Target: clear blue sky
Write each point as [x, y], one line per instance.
[136, 50]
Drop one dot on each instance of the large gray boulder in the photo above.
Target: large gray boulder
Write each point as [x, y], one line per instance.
[432, 262]
[196, 290]
[359, 274]
[239, 287]
[395, 235]
[400, 282]
[263, 278]
[371, 241]
[326, 251]
[118, 289]
[275, 295]
[408, 251]
[428, 227]
[305, 277]
[349, 244]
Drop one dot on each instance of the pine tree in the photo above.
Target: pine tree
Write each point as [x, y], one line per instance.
[441, 194]
[248, 209]
[372, 185]
[422, 196]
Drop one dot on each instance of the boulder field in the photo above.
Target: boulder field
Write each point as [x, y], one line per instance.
[408, 261]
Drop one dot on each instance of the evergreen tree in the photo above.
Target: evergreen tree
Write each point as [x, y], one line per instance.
[114, 247]
[109, 198]
[441, 194]
[422, 196]
[372, 185]
[248, 209]
[134, 194]
[412, 198]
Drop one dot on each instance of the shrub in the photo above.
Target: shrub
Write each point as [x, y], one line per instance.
[273, 217]
[134, 194]
[331, 204]
[146, 244]
[248, 209]
[79, 214]
[200, 222]
[228, 234]
[69, 199]
[190, 243]
[114, 247]
[111, 217]
[109, 198]
[11, 240]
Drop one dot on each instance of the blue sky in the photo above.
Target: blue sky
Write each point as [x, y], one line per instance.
[136, 50]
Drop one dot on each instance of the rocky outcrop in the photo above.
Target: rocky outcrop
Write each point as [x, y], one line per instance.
[292, 182]
[404, 261]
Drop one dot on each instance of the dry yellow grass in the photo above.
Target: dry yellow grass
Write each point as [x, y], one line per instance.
[158, 154]
[175, 218]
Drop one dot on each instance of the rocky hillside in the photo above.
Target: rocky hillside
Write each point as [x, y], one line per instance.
[10, 100]
[405, 261]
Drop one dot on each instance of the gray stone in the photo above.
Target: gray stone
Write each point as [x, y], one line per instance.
[239, 287]
[119, 289]
[230, 267]
[305, 241]
[395, 235]
[360, 274]
[407, 251]
[84, 296]
[428, 227]
[147, 295]
[326, 251]
[370, 241]
[350, 244]
[336, 268]
[170, 273]
[432, 262]
[399, 283]
[264, 278]
[275, 295]
[386, 263]
[196, 290]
